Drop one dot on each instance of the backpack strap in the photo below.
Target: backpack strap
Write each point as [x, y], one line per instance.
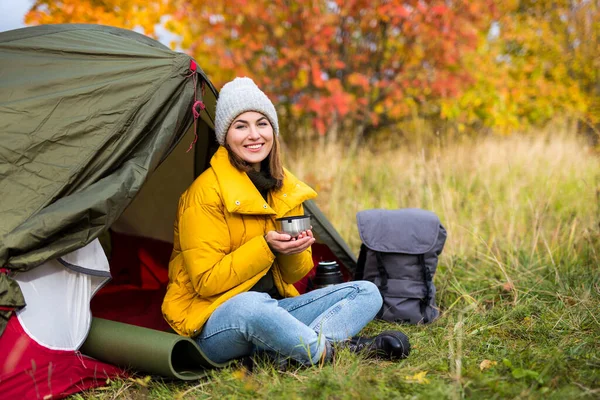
[360, 267]
[383, 275]
[427, 278]
[359, 273]
[383, 278]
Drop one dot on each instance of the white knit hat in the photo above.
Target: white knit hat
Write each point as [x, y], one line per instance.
[237, 97]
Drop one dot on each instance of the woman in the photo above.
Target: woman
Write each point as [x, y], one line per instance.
[231, 273]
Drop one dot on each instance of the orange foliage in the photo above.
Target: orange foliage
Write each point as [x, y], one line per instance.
[130, 14]
[323, 61]
[371, 63]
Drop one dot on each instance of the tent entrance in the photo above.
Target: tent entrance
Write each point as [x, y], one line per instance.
[140, 242]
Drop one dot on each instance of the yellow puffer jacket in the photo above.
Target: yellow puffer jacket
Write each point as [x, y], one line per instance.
[219, 246]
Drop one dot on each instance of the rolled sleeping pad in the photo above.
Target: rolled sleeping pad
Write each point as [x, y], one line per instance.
[146, 350]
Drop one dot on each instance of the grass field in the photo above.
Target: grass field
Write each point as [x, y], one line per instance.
[518, 282]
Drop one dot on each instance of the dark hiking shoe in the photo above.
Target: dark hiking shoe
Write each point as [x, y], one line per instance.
[388, 345]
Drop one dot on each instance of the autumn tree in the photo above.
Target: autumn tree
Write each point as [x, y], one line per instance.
[356, 65]
[350, 66]
[539, 61]
[131, 14]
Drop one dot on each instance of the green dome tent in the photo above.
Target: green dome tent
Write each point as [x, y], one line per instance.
[96, 127]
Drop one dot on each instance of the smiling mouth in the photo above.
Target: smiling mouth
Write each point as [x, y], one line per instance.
[254, 146]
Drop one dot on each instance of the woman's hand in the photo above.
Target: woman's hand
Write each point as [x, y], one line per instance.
[282, 243]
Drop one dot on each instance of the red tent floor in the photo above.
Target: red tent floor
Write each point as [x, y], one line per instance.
[29, 370]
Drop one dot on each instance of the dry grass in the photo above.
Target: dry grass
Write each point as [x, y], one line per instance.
[528, 192]
[518, 282]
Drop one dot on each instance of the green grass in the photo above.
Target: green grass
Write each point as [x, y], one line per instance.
[518, 282]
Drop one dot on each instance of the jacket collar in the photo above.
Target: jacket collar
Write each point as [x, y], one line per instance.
[241, 196]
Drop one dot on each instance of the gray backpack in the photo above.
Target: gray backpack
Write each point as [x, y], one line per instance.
[399, 254]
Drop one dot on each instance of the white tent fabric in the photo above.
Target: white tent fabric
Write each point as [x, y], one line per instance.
[58, 295]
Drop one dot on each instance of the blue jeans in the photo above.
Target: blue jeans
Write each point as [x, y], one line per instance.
[295, 327]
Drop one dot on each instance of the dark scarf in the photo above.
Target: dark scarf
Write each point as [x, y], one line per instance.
[262, 180]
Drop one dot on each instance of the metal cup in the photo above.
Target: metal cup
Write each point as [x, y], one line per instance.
[293, 226]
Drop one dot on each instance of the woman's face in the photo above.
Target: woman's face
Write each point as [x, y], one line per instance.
[250, 137]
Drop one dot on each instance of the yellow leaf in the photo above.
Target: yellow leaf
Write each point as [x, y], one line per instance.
[141, 381]
[239, 374]
[279, 31]
[486, 364]
[419, 377]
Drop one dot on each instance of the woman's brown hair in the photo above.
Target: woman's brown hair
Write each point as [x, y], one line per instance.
[272, 162]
